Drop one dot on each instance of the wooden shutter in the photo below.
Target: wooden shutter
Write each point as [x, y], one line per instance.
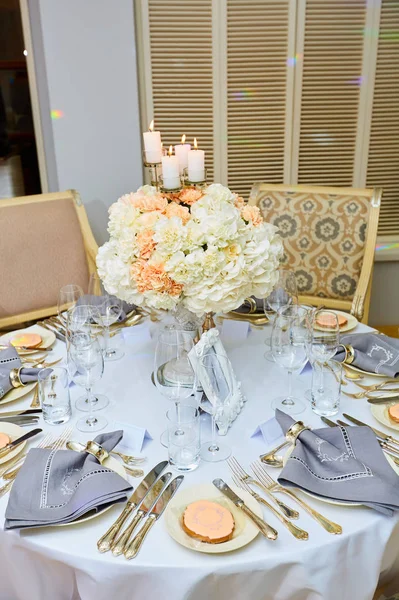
[260, 55]
[383, 158]
[329, 73]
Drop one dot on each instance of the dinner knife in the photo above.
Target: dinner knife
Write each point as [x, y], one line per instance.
[265, 529]
[154, 513]
[383, 399]
[104, 543]
[122, 542]
[22, 421]
[19, 413]
[4, 451]
[387, 438]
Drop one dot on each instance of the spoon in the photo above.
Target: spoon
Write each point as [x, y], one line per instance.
[271, 459]
[78, 447]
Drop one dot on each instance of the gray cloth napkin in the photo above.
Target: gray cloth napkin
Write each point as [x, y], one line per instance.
[246, 307]
[373, 352]
[98, 301]
[341, 463]
[9, 360]
[58, 486]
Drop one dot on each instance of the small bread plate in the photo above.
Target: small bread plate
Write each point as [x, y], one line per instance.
[48, 338]
[114, 465]
[380, 412]
[13, 432]
[351, 323]
[244, 530]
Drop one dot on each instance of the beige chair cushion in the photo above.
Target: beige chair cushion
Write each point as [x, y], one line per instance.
[324, 238]
[41, 249]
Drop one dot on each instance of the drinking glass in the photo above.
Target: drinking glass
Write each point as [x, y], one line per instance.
[67, 298]
[283, 294]
[173, 374]
[184, 449]
[325, 400]
[110, 308]
[83, 319]
[54, 395]
[289, 342]
[217, 370]
[86, 367]
[323, 341]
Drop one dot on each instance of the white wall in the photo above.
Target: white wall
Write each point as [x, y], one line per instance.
[87, 69]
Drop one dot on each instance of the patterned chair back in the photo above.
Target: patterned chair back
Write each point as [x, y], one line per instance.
[326, 232]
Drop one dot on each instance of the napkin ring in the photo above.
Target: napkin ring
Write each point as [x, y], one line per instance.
[294, 431]
[15, 378]
[97, 451]
[349, 354]
[252, 305]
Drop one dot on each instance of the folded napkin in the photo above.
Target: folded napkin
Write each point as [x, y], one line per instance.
[341, 463]
[99, 302]
[373, 352]
[58, 486]
[9, 360]
[246, 307]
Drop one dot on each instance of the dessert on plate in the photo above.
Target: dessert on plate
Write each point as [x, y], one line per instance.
[208, 522]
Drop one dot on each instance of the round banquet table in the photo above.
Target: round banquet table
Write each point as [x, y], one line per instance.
[63, 563]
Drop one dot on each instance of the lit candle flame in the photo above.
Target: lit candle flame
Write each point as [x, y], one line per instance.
[170, 151]
[183, 138]
[195, 144]
[151, 126]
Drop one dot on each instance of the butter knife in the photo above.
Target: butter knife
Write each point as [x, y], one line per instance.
[19, 413]
[387, 438]
[105, 542]
[153, 515]
[4, 451]
[382, 399]
[265, 529]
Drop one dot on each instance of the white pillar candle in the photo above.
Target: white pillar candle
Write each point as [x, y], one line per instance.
[181, 151]
[170, 171]
[196, 164]
[152, 145]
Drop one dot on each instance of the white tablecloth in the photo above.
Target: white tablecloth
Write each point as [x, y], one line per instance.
[64, 564]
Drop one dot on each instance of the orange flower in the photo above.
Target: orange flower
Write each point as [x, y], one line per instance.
[175, 210]
[190, 196]
[252, 213]
[149, 203]
[239, 202]
[154, 278]
[146, 243]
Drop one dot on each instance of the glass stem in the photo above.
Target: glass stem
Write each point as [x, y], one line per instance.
[91, 419]
[213, 447]
[321, 380]
[288, 401]
[106, 341]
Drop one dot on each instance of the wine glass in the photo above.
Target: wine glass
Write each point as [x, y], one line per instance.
[85, 367]
[67, 298]
[283, 294]
[174, 376]
[217, 369]
[82, 319]
[323, 342]
[110, 308]
[289, 343]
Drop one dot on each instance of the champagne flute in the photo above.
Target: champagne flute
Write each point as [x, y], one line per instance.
[290, 339]
[217, 370]
[85, 367]
[174, 376]
[110, 308]
[81, 319]
[284, 293]
[67, 298]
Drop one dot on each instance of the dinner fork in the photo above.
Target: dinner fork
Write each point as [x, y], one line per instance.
[239, 472]
[368, 394]
[376, 386]
[297, 532]
[129, 460]
[273, 486]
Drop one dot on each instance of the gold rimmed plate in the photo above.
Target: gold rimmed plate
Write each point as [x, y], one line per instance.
[17, 393]
[351, 323]
[380, 412]
[48, 338]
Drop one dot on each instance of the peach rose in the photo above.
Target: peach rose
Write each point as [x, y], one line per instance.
[175, 210]
[146, 243]
[239, 202]
[149, 203]
[149, 219]
[252, 213]
[154, 278]
[190, 196]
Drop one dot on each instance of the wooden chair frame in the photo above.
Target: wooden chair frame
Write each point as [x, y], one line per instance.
[89, 242]
[360, 305]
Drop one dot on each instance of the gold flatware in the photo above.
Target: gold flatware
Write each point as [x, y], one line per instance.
[297, 532]
[265, 478]
[24, 348]
[386, 437]
[153, 515]
[135, 500]
[369, 394]
[52, 395]
[35, 400]
[257, 322]
[239, 472]
[41, 364]
[271, 459]
[349, 374]
[11, 445]
[383, 400]
[20, 413]
[134, 472]
[377, 386]
[129, 460]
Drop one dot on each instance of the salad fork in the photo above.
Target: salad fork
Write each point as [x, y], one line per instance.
[129, 460]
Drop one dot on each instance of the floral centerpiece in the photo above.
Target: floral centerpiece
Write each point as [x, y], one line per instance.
[205, 249]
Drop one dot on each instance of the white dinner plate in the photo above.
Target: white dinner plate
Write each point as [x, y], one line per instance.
[244, 532]
[351, 324]
[113, 464]
[380, 412]
[17, 393]
[394, 466]
[48, 337]
[14, 432]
